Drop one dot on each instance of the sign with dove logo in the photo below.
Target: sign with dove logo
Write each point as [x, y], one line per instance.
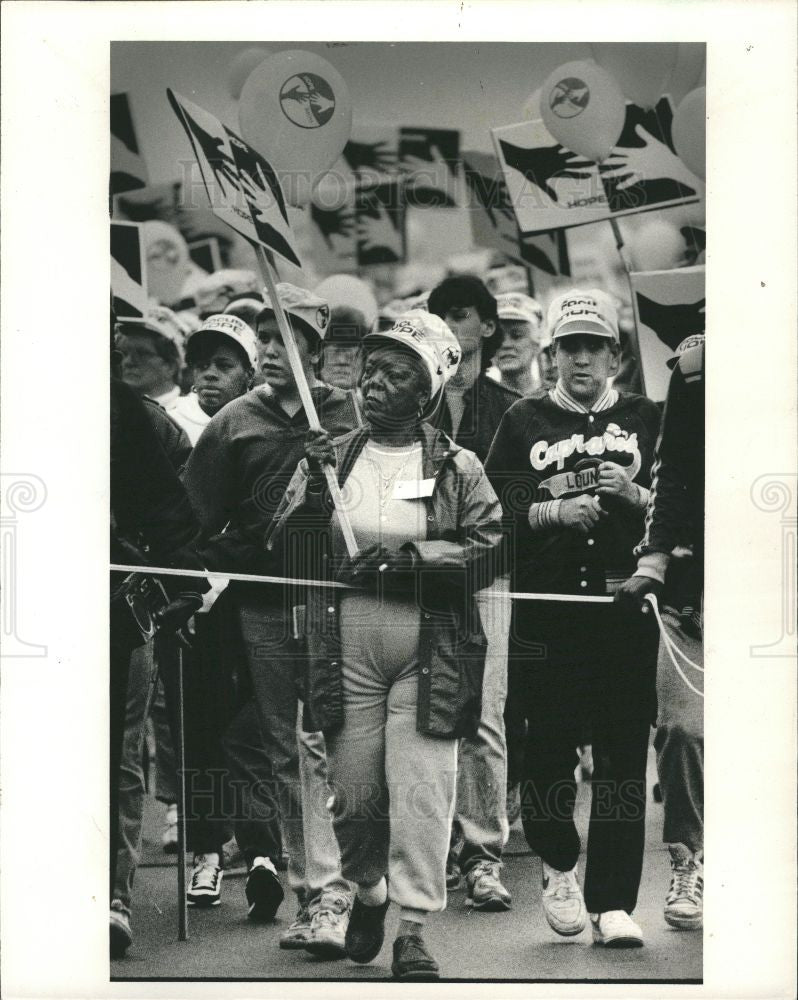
[307, 100]
[569, 97]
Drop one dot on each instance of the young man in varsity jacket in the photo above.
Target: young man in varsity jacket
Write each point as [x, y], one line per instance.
[671, 565]
[571, 469]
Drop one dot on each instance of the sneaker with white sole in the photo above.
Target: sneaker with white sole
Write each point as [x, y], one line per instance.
[563, 903]
[684, 904]
[121, 936]
[169, 834]
[615, 929]
[297, 934]
[327, 937]
[205, 887]
[485, 890]
[263, 891]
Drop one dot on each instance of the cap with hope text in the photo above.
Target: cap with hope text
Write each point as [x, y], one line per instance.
[592, 312]
[234, 328]
[428, 337]
[301, 304]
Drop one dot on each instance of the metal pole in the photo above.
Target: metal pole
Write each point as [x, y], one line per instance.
[304, 394]
[627, 266]
[182, 904]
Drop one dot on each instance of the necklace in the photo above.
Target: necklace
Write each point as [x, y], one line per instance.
[386, 482]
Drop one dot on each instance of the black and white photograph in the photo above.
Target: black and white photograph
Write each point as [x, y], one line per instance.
[408, 459]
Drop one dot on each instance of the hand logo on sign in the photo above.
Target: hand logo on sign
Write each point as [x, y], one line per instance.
[370, 156]
[223, 167]
[544, 164]
[671, 323]
[643, 163]
[337, 222]
[378, 230]
[434, 174]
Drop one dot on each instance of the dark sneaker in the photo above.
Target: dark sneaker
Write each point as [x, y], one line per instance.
[412, 962]
[297, 934]
[263, 891]
[366, 931]
[205, 888]
[485, 890]
[121, 936]
[454, 876]
[328, 925]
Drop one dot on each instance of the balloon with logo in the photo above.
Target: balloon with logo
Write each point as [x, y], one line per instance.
[583, 108]
[242, 66]
[531, 109]
[295, 110]
[687, 73]
[642, 69]
[689, 131]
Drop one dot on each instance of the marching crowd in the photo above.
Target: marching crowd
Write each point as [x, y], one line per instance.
[367, 738]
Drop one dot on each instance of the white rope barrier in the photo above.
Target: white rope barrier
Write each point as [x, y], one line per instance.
[672, 648]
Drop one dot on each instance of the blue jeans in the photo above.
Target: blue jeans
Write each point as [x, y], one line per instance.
[480, 810]
[299, 765]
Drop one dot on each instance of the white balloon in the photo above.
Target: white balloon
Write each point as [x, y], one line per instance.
[690, 67]
[583, 108]
[642, 69]
[531, 109]
[242, 66]
[296, 111]
[656, 246]
[347, 290]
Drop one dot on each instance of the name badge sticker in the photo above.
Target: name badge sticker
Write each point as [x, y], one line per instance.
[413, 489]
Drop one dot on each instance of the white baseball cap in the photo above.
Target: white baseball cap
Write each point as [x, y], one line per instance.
[592, 312]
[694, 340]
[428, 337]
[301, 304]
[234, 328]
[517, 306]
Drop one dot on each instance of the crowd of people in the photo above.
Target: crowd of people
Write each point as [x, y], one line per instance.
[368, 738]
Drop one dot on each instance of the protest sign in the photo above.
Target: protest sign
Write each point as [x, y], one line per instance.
[334, 236]
[380, 224]
[429, 158]
[128, 169]
[128, 271]
[669, 306]
[552, 188]
[242, 187]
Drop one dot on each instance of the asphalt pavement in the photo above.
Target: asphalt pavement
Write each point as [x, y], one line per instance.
[514, 946]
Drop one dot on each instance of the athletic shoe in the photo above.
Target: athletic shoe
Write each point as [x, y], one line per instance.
[615, 929]
[297, 934]
[485, 891]
[454, 877]
[412, 962]
[263, 891]
[366, 931]
[563, 903]
[327, 938]
[169, 835]
[121, 936]
[684, 904]
[205, 888]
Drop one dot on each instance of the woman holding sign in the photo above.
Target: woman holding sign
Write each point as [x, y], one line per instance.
[394, 673]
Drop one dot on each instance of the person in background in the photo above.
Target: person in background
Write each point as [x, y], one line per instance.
[470, 412]
[236, 477]
[214, 292]
[581, 454]
[152, 355]
[221, 357]
[547, 366]
[670, 564]
[340, 359]
[394, 677]
[521, 319]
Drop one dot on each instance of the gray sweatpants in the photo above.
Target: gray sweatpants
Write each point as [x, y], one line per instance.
[394, 787]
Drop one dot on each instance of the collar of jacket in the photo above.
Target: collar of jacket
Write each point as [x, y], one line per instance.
[436, 448]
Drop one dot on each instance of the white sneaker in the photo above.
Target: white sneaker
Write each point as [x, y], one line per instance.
[327, 935]
[205, 888]
[684, 904]
[563, 903]
[615, 929]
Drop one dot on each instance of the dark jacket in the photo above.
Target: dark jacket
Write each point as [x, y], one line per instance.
[542, 451]
[456, 560]
[485, 403]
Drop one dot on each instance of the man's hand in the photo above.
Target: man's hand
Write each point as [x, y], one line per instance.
[177, 613]
[581, 513]
[377, 564]
[614, 481]
[632, 592]
[319, 450]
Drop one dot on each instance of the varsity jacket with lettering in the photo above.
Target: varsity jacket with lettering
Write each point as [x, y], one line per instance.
[544, 452]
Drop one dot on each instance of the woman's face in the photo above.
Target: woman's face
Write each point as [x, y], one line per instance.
[518, 348]
[142, 367]
[393, 388]
[218, 376]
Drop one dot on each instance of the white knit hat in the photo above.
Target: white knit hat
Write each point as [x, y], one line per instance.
[428, 337]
